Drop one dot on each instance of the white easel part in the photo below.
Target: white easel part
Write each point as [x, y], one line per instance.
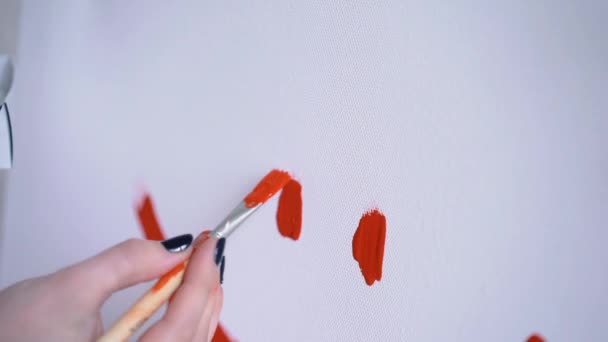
[6, 77]
[6, 142]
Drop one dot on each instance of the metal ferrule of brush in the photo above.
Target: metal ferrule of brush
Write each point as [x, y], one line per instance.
[233, 220]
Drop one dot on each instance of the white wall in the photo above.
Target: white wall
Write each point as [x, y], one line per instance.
[479, 130]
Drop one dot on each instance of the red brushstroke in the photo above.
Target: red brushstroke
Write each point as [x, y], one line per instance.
[535, 338]
[148, 221]
[289, 211]
[221, 335]
[272, 183]
[368, 245]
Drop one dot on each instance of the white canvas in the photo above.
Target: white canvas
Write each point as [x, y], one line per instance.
[478, 129]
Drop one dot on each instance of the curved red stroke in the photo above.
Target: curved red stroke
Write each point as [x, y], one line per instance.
[368, 245]
[289, 211]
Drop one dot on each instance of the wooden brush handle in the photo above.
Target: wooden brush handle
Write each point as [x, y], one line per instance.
[147, 305]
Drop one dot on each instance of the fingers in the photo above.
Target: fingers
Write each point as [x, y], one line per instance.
[126, 264]
[98, 327]
[215, 316]
[187, 309]
[202, 331]
[222, 266]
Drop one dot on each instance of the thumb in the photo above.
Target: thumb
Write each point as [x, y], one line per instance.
[126, 264]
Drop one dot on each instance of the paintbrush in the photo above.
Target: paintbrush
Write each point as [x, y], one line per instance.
[164, 288]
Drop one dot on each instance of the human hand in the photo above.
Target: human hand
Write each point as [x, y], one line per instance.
[65, 305]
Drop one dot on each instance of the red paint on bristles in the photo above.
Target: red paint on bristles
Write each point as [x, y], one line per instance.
[272, 183]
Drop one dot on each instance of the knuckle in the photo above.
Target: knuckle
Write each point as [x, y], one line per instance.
[130, 251]
[131, 244]
[126, 259]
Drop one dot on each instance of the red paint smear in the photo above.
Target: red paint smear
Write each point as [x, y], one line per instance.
[148, 221]
[289, 211]
[221, 335]
[165, 279]
[274, 181]
[368, 245]
[535, 338]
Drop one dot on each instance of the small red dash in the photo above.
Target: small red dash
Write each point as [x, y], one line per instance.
[368, 245]
[289, 211]
[221, 335]
[272, 183]
[148, 221]
[535, 338]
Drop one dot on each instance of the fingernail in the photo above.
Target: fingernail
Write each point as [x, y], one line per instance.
[178, 243]
[219, 250]
[222, 265]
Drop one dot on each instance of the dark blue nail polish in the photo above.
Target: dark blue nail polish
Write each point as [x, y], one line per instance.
[178, 243]
[222, 265]
[219, 250]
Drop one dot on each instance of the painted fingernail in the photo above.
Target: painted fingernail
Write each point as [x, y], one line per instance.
[178, 243]
[222, 265]
[219, 250]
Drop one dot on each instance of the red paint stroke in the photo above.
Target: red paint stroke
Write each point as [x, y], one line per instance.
[272, 183]
[535, 338]
[289, 211]
[368, 245]
[148, 221]
[221, 335]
